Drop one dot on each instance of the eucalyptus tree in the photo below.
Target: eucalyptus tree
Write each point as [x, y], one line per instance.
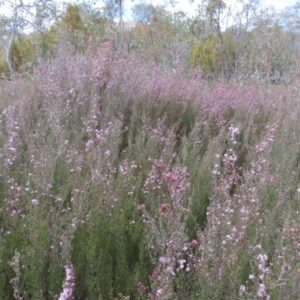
[290, 24]
[113, 11]
[18, 17]
[226, 22]
[162, 34]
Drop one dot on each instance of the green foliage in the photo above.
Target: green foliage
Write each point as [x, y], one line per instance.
[71, 19]
[109, 256]
[23, 55]
[46, 41]
[69, 25]
[211, 54]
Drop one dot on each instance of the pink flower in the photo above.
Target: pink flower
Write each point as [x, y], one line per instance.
[181, 263]
[34, 202]
[194, 244]
[155, 273]
[242, 289]
[68, 284]
[262, 291]
[163, 260]
[163, 207]
[142, 206]
[158, 164]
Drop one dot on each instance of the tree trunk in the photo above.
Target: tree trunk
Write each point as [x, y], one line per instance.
[8, 50]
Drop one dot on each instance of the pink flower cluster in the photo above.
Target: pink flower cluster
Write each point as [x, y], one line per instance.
[68, 284]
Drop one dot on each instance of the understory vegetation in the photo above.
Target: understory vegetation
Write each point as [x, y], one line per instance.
[155, 159]
[121, 179]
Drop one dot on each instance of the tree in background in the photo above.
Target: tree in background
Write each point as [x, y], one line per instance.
[114, 10]
[238, 40]
[221, 30]
[210, 53]
[163, 36]
[22, 54]
[16, 18]
[71, 25]
[245, 40]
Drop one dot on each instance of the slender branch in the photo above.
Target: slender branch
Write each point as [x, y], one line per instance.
[2, 42]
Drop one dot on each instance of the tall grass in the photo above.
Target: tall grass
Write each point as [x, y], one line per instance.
[120, 179]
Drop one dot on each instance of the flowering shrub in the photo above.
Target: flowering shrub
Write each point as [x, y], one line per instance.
[166, 227]
[150, 183]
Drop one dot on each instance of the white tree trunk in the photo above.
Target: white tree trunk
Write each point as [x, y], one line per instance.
[8, 50]
[120, 11]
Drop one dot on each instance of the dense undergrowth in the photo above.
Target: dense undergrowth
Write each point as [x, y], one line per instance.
[121, 180]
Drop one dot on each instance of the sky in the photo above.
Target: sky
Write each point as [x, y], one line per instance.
[183, 5]
[186, 6]
[280, 4]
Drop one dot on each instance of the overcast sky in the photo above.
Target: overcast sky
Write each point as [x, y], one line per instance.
[183, 5]
[186, 6]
